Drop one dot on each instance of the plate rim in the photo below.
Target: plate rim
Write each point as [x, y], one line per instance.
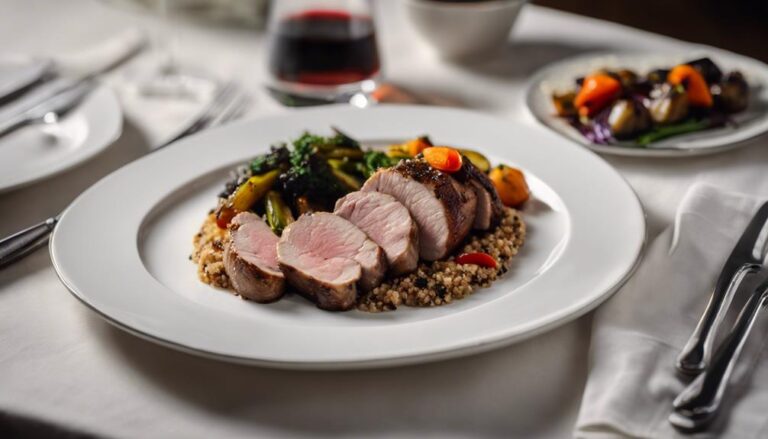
[539, 75]
[400, 361]
[489, 342]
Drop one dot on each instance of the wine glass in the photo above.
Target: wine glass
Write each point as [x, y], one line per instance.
[322, 51]
[168, 78]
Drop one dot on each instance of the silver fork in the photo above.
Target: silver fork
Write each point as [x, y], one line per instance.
[696, 406]
[55, 107]
[745, 259]
[228, 104]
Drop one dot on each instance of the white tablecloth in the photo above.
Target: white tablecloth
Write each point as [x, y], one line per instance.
[61, 364]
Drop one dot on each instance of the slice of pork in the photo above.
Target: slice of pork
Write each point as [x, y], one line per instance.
[443, 208]
[250, 259]
[388, 223]
[327, 258]
[489, 206]
[484, 212]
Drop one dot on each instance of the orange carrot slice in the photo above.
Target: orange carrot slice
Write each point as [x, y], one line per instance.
[443, 158]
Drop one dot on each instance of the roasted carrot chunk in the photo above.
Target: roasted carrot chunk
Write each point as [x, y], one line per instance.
[443, 158]
[695, 85]
[596, 93]
[510, 184]
[417, 146]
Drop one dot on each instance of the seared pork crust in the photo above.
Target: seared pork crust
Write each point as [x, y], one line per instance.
[458, 199]
[469, 172]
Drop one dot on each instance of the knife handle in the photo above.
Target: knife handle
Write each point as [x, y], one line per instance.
[21, 244]
[696, 354]
[697, 404]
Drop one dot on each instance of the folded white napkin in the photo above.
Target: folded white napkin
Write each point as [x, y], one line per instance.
[638, 333]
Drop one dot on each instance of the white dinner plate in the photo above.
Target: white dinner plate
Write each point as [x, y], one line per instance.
[123, 247]
[38, 151]
[561, 76]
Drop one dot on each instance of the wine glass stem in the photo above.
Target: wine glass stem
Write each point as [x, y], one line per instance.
[166, 39]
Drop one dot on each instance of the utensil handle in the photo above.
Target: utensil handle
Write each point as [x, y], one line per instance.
[21, 244]
[702, 398]
[8, 125]
[746, 257]
[696, 354]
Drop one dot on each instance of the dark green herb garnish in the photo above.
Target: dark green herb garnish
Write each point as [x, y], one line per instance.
[309, 172]
[276, 158]
[374, 160]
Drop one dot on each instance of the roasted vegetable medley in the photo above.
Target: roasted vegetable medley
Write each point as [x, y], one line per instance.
[308, 176]
[610, 105]
[315, 171]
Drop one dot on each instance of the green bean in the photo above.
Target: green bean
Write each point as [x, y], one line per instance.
[278, 213]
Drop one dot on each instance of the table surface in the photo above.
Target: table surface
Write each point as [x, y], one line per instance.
[63, 365]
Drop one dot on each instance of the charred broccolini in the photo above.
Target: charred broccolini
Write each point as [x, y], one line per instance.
[310, 174]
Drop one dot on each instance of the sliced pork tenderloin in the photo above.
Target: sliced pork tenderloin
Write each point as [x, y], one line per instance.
[250, 259]
[443, 208]
[489, 206]
[484, 212]
[327, 258]
[388, 223]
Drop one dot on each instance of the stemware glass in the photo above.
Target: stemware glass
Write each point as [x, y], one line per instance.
[323, 50]
[169, 78]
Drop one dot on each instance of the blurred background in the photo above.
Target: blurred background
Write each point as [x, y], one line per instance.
[737, 25]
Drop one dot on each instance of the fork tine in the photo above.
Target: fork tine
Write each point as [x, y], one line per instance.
[235, 110]
[218, 104]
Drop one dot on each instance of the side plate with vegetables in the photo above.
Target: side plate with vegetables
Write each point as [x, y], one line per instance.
[625, 101]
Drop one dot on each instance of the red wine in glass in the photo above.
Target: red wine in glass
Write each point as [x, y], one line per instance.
[323, 50]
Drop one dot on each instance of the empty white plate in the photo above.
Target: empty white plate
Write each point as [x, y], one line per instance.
[585, 234]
